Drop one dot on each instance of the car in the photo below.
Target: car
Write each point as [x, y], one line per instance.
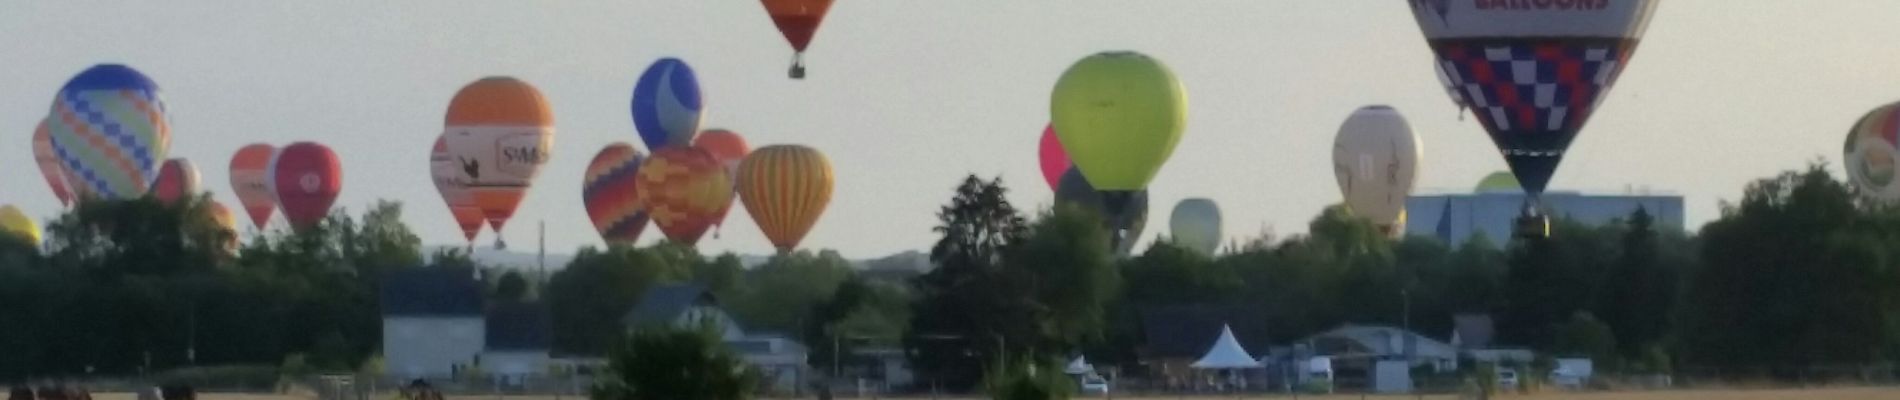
[1507, 379]
[1094, 385]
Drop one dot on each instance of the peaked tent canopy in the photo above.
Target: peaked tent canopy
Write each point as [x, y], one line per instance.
[1080, 365]
[1226, 353]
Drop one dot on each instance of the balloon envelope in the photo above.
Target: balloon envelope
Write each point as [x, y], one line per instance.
[307, 178]
[785, 188]
[1375, 160]
[1133, 218]
[1054, 160]
[109, 128]
[500, 131]
[611, 196]
[1532, 74]
[798, 20]
[1873, 146]
[1119, 116]
[453, 186]
[18, 225]
[48, 161]
[729, 149]
[666, 104]
[1196, 225]
[177, 179]
[226, 223]
[250, 180]
[682, 189]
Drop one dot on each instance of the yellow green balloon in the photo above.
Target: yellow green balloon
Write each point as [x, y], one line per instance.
[18, 225]
[1119, 116]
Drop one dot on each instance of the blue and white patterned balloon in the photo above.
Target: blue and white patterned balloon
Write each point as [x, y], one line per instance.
[666, 105]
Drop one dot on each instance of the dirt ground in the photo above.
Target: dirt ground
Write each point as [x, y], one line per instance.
[1765, 394]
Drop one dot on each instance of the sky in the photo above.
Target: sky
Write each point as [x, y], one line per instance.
[908, 97]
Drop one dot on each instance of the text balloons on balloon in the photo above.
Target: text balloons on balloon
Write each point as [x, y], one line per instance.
[500, 131]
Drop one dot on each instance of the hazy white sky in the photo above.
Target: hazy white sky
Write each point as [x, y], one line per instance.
[906, 97]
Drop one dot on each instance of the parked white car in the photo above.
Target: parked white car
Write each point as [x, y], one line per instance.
[1093, 384]
[1507, 379]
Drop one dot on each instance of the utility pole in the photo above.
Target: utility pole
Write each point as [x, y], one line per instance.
[542, 258]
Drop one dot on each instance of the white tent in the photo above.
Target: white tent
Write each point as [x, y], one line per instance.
[1079, 366]
[1226, 353]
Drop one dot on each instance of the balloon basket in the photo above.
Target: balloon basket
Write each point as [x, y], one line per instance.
[798, 66]
[500, 245]
[1532, 225]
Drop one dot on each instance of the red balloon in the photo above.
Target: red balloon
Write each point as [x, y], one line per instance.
[306, 178]
[1055, 161]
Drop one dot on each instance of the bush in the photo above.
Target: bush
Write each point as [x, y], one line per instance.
[665, 363]
[1028, 380]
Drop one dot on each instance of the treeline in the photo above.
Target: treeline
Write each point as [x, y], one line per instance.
[1799, 273]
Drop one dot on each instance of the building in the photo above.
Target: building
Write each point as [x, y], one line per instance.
[432, 322]
[1493, 208]
[780, 360]
[517, 340]
[436, 325]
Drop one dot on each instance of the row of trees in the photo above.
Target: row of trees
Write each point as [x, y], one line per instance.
[1798, 273]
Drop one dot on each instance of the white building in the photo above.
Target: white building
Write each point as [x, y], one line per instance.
[432, 322]
[436, 326]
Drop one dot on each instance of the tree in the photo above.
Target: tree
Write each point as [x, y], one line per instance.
[724, 275]
[1794, 275]
[1551, 278]
[1065, 259]
[1170, 274]
[782, 292]
[598, 288]
[969, 309]
[666, 363]
[511, 287]
[383, 242]
[1639, 294]
[1583, 335]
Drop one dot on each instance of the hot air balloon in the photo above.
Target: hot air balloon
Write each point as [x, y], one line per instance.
[667, 105]
[250, 180]
[1873, 144]
[110, 131]
[611, 195]
[452, 184]
[177, 179]
[682, 189]
[49, 164]
[1054, 160]
[1119, 116]
[18, 225]
[729, 149]
[1375, 159]
[1131, 218]
[786, 189]
[226, 223]
[798, 20]
[500, 131]
[1196, 225]
[306, 178]
[1532, 74]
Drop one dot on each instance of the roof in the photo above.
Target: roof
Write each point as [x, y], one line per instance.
[663, 304]
[519, 326]
[1226, 353]
[1188, 331]
[1370, 340]
[765, 345]
[1472, 331]
[432, 292]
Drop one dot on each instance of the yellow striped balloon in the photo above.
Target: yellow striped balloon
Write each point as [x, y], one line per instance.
[786, 189]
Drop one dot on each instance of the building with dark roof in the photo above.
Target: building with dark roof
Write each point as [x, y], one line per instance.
[681, 305]
[432, 321]
[517, 340]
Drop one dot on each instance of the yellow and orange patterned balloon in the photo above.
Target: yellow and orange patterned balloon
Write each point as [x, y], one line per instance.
[227, 223]
[683, 190]
[786, 189]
